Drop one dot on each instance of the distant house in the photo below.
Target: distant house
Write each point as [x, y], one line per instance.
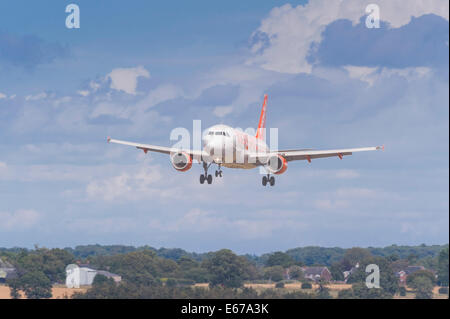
[87, 275]
[7, 271]
[403, 274]
[317, 273]
[348, 273]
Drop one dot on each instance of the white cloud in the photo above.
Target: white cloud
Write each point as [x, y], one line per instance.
[162, 93]
[83, 92]
[372, 75]
[3, 96]
[290, 31]
[36, 97]
[221, 111]
[126, 186]
[3, 168]
[18, 220]
[125, 79]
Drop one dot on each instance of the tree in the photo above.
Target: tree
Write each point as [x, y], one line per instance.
[443, 268]
[227, 269]
[274, 273]
[411, 279]
[424, 287]
[296, 272]
[280, 259]
[388, 280]
[35, 285]
[356, 255]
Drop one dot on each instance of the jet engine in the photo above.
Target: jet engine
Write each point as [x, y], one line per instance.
[181, 161]
[276, 164]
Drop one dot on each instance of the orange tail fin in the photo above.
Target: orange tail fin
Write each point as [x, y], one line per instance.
[262, 120]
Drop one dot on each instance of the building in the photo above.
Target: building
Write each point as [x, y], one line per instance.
[317, 273]
[7, 271]
[348, 273]
[403, 274]
[86, 275]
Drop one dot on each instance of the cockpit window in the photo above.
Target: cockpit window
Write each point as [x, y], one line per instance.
[219, 133]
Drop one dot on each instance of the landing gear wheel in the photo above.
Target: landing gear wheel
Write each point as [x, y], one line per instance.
[217, 173]
[272, 180]
[209, 179]
[202, 178]
[264, 180]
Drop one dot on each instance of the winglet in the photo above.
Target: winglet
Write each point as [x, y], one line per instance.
[108, 139]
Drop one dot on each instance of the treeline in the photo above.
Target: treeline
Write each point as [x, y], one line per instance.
[171, 273]
[308, 256]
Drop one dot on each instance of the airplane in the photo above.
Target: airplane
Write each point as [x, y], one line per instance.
[232, 148]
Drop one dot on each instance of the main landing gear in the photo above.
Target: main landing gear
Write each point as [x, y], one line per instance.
[268, 179]
[208, 177]
[205, 177]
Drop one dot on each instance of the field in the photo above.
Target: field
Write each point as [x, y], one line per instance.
[60, 292]
[333, 289]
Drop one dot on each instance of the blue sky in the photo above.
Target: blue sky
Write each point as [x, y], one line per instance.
[137, 70]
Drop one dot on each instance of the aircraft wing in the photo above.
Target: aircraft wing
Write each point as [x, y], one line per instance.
[198, 155]
[309, 154]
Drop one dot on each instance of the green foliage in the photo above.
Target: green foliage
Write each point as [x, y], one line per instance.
[306, 285]
[227, 269]
[274, 273]
[34, 284]
[101, 279]
[171, 282]
[323, 293]
[388, 280]
[356, 255]
[443, 268]
[316, 255]
[424, 287]
[412, 282]
[279, 284]
[337, 270]
[402, 291]
[360, 291]
[296, 272]
[280, 259]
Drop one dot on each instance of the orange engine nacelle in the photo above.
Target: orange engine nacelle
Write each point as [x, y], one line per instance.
[181, 161]
[277, 164]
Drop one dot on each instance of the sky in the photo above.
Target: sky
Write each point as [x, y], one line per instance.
[136, 70]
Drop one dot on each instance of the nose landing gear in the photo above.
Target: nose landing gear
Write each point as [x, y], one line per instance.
[268, 179]
[219, 172]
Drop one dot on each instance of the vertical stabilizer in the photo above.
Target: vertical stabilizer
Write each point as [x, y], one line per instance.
[262, 120]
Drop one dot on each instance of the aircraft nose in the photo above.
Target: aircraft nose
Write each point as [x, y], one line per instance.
[213, 147]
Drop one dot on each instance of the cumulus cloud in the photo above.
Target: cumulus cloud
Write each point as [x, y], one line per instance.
[125, 79]
[36, 97]
[126, 186]
[283, 41]
[18, 220]
[372, 75]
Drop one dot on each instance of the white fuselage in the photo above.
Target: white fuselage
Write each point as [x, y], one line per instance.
[230, 147]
